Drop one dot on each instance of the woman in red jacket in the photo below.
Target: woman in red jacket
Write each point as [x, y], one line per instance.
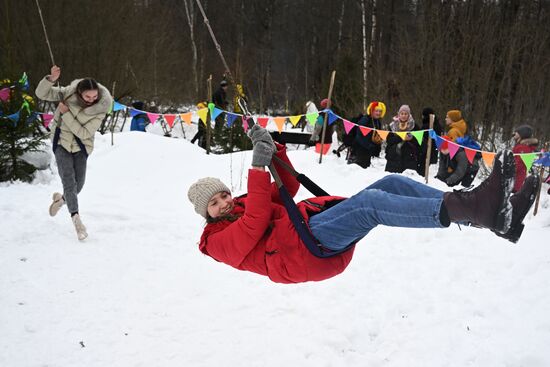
[524, 143]
[254, 232]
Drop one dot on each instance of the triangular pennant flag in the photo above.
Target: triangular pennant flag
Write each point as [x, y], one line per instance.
[453, 148]
[186, 117]
[419, 136]
[488, 158]
[433, 135]
[331, 117]
[365, 130]
[134, 112]
[215, 113]
[23, 79]
[280, 122]
[14, 117]
[295, 119]
[438, 140]
[262, 121]
[544, 160]
[118, 106]
[32, 117]
[401, 134]
[245, 122]
[348, 125]
[230, 118]
[528, 159]
[312, 117]
[5, 94]
[25, 105]
[203, 113]
[170, 119]
[47, 118]
[153, 117]
[383, 134]
[470, 153]
[211, 107]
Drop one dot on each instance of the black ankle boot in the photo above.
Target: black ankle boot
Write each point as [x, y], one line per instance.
[522, 201]
[487, 205]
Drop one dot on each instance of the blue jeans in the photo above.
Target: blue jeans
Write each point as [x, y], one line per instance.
[395, 201]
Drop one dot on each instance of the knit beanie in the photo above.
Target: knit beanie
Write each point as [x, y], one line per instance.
[524, 131]
[406, 108]
[455, 115]
[201, 192]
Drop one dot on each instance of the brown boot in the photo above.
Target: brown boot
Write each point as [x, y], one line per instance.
[487, 205]
[522, 201]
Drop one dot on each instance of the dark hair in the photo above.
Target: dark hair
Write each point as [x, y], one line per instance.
[86, 84]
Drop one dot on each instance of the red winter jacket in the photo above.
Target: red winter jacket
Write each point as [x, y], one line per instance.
[524, 146]
[263, 240]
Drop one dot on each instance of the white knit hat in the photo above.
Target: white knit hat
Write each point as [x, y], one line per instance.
[201, 192]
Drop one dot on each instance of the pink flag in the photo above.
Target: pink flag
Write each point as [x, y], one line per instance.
[262, 121]
[453, 148]
[245, 123]
[5, 94]
[153, 117]
[348, 125]
[170, 120]
[47, 118]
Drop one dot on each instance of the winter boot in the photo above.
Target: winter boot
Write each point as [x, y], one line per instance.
[522, 201]
[56, 204]
[79, 227]
[488, 205]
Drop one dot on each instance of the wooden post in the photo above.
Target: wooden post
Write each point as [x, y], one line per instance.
[332, 77]
[429, 149]
[208, 127]
[541, 180]
[114, 121]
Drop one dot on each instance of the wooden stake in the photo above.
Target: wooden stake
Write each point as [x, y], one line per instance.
[114, 121]
[208, 127]
[332, 77]
[429, 149]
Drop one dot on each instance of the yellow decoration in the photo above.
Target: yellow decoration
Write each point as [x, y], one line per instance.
[294, 119]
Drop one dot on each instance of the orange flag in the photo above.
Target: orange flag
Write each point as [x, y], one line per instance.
[186, 117]
[488, 158]
[383, 134]
[280, 122]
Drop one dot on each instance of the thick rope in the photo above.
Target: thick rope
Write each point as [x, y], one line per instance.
[45, 32]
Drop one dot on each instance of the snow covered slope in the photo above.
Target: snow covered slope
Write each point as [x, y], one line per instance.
[138, 292]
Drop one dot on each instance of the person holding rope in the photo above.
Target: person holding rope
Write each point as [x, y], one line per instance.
[255, 233]
[82, 106]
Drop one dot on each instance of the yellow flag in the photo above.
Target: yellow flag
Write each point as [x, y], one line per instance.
[280, 122]
[294, 119]
[488, 158]
[383, 134]
[202, 114]
[402, 134]
[186, 117]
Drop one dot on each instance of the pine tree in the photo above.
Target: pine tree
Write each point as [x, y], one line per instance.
[19, 132]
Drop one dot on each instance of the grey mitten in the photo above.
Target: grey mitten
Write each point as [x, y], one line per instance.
[258, 133]
[262, 153]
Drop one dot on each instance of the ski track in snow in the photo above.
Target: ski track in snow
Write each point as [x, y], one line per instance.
[138, 292]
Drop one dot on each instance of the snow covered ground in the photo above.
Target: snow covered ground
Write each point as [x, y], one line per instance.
[138, 292]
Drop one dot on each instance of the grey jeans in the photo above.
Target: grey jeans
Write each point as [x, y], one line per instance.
[72, 170]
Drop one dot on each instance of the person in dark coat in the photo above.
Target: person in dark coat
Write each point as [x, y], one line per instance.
[524, 143]
[426, 112]
[402, 154]
[219, 97]
[255, 233]
[366, 146]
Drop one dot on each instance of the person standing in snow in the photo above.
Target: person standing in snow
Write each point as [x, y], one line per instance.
[254, 232]
[366, 146]
[524, 143]
[426, 112]
[317, 133]
[82, 107]
[402, 154]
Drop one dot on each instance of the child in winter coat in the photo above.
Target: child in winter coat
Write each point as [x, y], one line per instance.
[255, 233]
[402, 154]
[82, 107]
[524, 143]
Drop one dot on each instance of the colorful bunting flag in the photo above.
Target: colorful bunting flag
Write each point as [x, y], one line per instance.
[280, 122]
[203, 113]
[230, 118]
[433, 135]
[312, 117]
[488, 158]
[365, 130]
[544, 160]
[401, 134]
[528, 159]
[25, 105]
[383, 134]
[47, 118]
[211, 107]
[186, 117]
[215, 113]
[5, 94]
[153, 117]
[262, 121]
[419, 136]
[24, 82]
[453, 148]
[245, 123]
[118, 106]
[438, 140]
[170, 119]
[470, 153]
[295, 119]
[348, 125]
[134, 112]
[331, 117]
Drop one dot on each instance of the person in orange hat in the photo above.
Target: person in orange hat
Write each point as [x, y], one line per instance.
[456, 125]
[366, 146]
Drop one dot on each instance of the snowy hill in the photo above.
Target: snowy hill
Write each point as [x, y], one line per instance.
[138, 292]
